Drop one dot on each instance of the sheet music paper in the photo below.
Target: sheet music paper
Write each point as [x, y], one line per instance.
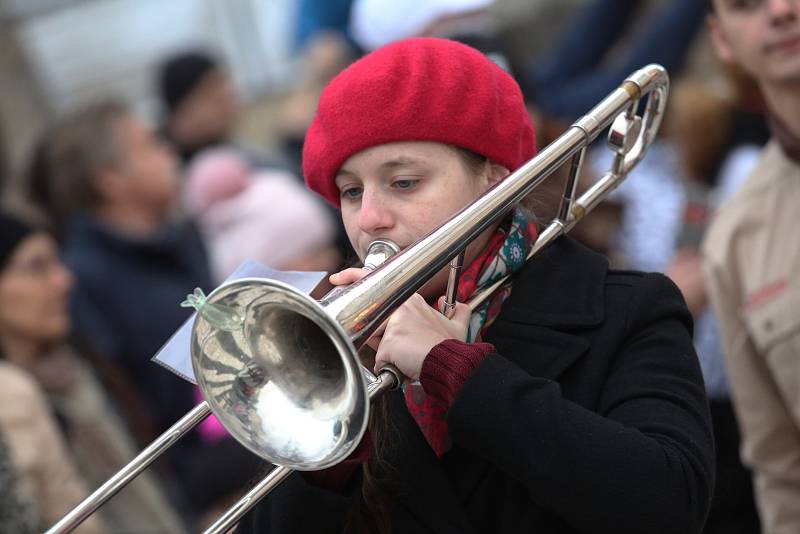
[176, 355]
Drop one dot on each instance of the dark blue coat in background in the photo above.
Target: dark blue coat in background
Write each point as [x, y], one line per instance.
[591, 417]
[126, 302]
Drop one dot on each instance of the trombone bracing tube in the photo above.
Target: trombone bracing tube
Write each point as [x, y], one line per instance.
[110, 487]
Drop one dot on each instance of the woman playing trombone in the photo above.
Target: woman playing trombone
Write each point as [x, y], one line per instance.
[571, 401]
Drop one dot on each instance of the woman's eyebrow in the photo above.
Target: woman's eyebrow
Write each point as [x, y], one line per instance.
[344, 173]
[386, 165]
[400, 162]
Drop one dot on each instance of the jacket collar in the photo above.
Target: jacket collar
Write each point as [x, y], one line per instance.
[562, 287]
[558, 293]
[789, 142]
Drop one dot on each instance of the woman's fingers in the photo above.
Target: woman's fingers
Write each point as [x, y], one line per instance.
[348, 276]
[413, 330]
[461, 313]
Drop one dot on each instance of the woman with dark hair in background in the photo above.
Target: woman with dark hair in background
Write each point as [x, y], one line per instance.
[34, 329]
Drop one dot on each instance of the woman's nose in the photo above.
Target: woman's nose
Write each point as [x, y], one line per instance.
[374, 214]
[781, 10]
[62, 276]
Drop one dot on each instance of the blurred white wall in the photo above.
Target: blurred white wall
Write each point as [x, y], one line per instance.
[56, 55]
[86, 50]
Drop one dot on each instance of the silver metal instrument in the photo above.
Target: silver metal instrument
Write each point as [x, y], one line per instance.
[281, 370]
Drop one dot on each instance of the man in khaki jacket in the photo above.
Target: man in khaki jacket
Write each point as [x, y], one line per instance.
[752, 259]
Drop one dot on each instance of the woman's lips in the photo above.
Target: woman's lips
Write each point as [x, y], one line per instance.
[789, 44]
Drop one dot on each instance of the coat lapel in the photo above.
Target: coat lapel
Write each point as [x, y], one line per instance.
[555, 293]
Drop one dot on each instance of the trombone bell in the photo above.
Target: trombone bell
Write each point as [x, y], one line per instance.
[283, 382]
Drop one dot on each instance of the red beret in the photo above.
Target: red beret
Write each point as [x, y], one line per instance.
[421, 89]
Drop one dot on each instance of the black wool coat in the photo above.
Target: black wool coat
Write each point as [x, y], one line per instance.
[591, 417]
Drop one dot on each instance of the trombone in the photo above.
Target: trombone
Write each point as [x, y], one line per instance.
[281, 370]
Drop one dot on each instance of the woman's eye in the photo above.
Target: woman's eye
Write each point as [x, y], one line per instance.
[404, 183]
[351, 193]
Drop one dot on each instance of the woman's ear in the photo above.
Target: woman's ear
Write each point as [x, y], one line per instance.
[719, 39]
[495, 173]
[109, 184]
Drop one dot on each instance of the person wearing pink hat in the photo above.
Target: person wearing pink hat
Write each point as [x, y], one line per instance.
[571, 402]
[245, 213]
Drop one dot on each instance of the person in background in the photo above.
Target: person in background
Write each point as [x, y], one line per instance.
[600, 48]
[245, 214]
[134, 263]
[34, 340]
[199, 100]
[751, 258]
[314, 17]
[39, 480]
[117, 186]
[201, 106]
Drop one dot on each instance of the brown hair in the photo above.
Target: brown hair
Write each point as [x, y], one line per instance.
[80, 145]
[371, 510]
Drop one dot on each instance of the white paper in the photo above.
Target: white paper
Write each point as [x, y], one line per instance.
[176, 354]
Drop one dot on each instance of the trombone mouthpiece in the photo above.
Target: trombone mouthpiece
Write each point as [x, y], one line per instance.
[379, 251]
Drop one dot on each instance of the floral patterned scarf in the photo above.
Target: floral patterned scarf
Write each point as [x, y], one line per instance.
[506, 253]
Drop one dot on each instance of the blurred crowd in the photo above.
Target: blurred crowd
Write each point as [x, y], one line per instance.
[122, 220]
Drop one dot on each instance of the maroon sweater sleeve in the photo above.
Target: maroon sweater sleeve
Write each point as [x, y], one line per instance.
[448, 365]
[444, 371]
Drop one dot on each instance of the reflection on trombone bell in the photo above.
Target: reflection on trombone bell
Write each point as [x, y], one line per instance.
[281, 370]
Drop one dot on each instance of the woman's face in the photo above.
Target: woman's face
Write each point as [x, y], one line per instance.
[34, 290]
[402, 191]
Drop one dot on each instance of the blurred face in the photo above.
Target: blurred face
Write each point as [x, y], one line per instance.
[762, 36]
[403, 191]
[34, 290]
[208, 113]
[148, 169]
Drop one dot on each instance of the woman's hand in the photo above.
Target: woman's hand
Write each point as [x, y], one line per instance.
[348, 276]
[413, 330]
